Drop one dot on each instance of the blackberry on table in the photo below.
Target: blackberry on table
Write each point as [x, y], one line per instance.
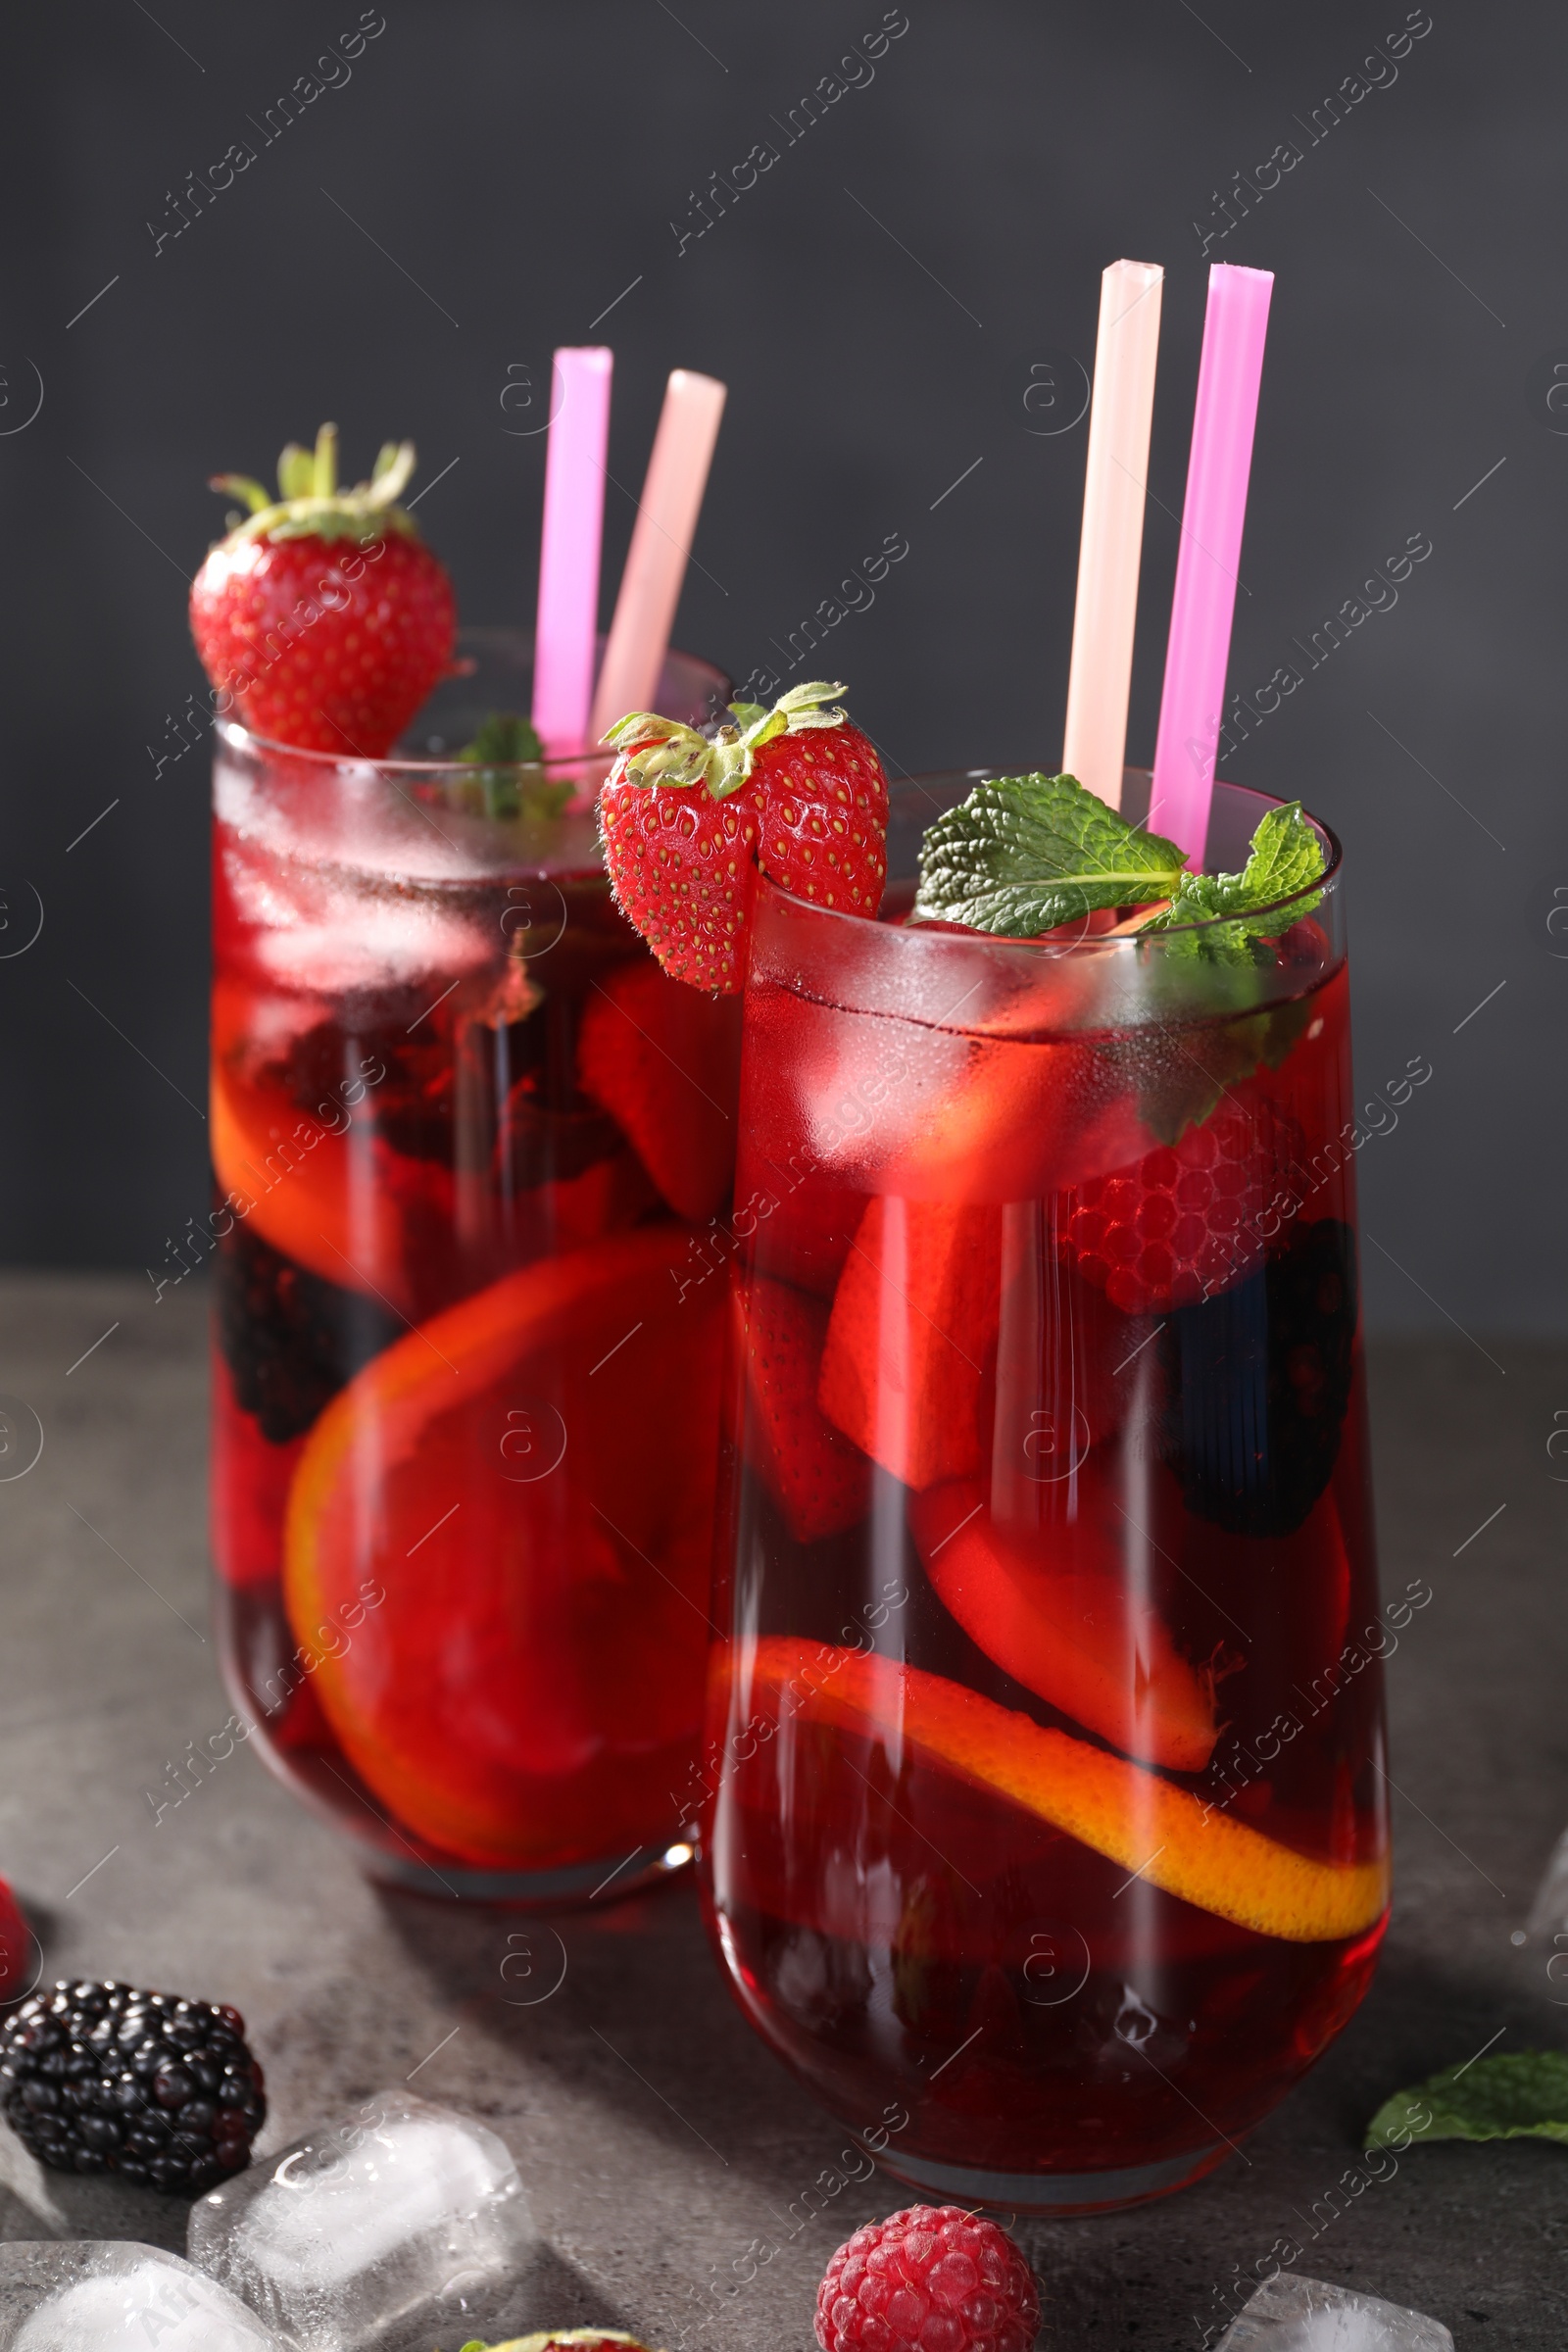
[108, 2078]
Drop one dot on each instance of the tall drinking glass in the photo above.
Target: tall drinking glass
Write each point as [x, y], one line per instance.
[1049, 1837]
[464, 1133]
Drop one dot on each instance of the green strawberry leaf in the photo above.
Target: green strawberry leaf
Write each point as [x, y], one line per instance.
[1026, 853]
[1517, 2095]
[1284, 858]
[312, 505]
[666, 751]
[587, 2338]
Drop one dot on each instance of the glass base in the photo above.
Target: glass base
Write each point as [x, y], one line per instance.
[582, 1883]
[1058, 2194]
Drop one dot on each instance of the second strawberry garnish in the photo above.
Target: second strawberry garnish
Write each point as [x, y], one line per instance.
[323, 618]
[688, 818]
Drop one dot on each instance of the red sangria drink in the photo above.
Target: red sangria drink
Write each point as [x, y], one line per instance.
[464, 1134]
[1045, 1838]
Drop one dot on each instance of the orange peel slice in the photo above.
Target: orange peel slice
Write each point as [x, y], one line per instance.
[1146, 1825]
[524, 1669]
[307, 1191]
[1052, 1611]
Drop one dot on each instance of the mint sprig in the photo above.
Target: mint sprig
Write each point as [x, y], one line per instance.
[505, 744]
[504, 738]
[1520, 2095]
[1285, 858]
[1023, 855]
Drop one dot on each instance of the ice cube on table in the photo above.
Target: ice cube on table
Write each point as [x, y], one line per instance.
[108, 2296]
[393, 2205]
[1289, 2314]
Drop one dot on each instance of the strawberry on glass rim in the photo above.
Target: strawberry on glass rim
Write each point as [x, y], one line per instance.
[687, 818]
[322, 620]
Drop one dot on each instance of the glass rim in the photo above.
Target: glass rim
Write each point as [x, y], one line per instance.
[240, 738]
[1048, 942]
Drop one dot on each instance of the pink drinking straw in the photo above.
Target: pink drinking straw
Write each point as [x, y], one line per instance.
[568, 550]
[1205, 602]
[1114, 476]
[661, 546]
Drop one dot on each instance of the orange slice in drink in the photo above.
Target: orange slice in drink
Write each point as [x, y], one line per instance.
[496, 1557]
[312, 1193]
[913, 1314]
[1053, 1612]
[1144, 1824]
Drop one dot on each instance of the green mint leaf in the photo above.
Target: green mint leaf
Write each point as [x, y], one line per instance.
[1026, 853]
[1284, 858]
[1521, 2094]
[504, 739]
[1182, 1074]
[505, 744]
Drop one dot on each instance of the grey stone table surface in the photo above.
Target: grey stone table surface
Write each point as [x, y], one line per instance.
[685, 2186]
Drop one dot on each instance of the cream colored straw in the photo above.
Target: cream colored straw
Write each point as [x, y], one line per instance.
[661, 545]
[1112, 545]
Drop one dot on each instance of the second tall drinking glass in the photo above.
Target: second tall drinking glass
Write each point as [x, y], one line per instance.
[1050, 1838]
[464, 1133]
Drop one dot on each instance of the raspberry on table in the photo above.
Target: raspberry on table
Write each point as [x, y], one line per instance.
[105, 2078]
[933, 2277]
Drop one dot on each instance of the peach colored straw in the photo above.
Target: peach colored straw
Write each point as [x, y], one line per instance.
[660, 547]
[1112, 545]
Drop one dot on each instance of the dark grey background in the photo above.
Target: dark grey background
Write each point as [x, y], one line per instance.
[875, 304]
